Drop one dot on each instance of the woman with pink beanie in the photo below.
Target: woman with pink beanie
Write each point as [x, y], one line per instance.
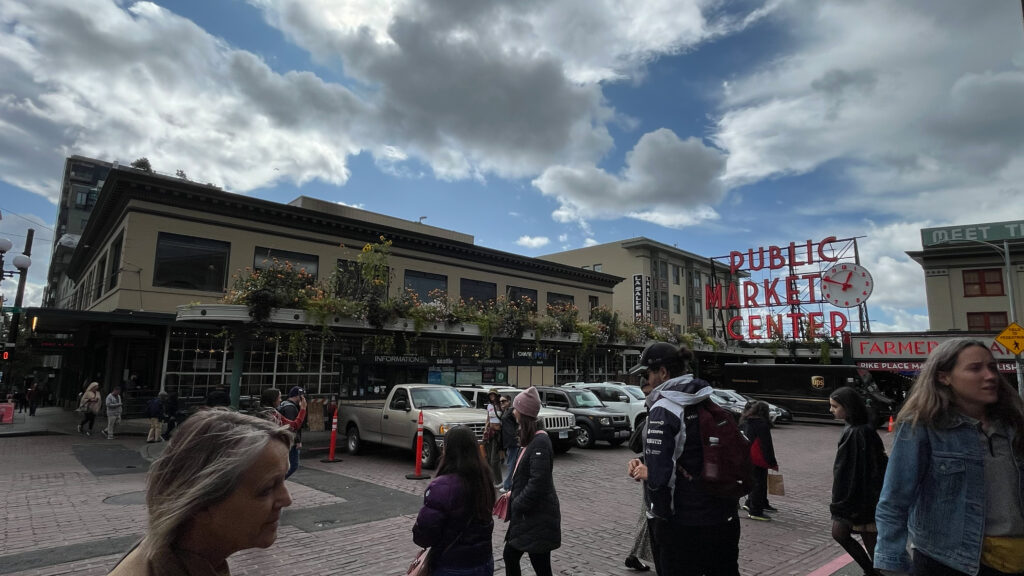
[535, 520]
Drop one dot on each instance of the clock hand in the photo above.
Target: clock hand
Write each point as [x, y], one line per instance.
[833, 281]
[846, 283]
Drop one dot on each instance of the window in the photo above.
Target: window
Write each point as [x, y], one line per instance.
[597, 267]
[264, 258]
[515, 294]
[191, 263]
[477, 290]
[988, 282]
[400, 400]
[555, 298]
[423, 283]
[663, 270]
[115, 262]
[101, 270]
[986, 321]
[85, 196]
[557, 400]
[592, 301]
[677, 304]
[663, 300]
[675, 274]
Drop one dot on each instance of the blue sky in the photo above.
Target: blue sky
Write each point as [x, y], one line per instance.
[541, 126]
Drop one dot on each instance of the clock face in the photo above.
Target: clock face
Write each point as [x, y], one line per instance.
[846, 285]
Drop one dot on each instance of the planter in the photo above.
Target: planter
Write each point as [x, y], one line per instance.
[214, 313]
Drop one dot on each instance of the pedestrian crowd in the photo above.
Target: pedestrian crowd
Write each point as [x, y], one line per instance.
[948, 500]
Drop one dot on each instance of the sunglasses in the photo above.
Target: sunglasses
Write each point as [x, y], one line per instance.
[504, 401]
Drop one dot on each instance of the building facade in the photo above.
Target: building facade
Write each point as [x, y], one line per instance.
[153, 243]
[967, 282]
[664, 285]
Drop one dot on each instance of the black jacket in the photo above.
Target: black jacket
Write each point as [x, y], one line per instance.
[758, 432]
[509, 431]
[857, 474]
[535, 520]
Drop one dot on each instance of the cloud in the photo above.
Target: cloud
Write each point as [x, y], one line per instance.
[563, 237]
[857, 91]
[15, 228]
[590, 242]
[533, 241]
[359, 205]
[666, 181]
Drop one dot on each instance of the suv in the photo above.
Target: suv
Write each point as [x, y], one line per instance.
[618, 397]
[596, 421]
[559, 424]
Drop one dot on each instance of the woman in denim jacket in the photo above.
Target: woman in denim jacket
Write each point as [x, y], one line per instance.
[953, 487]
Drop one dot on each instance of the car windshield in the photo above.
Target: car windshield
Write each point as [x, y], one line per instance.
[583, 399]
[635, 392]
[437, 398]
[732, 396]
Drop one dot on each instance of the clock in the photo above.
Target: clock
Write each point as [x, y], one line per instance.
[846, 285]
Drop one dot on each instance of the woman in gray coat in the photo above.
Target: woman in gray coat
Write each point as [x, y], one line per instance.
[535, 521]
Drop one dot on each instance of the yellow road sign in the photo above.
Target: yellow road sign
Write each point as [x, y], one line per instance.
[1012, 338]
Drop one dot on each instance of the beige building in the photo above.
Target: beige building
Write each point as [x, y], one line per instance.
[154, 243]
[966, 281]
[664, 284]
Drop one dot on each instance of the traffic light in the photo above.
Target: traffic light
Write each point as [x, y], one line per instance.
[7, 354]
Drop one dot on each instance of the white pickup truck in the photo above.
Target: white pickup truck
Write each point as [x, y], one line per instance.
[393, 422]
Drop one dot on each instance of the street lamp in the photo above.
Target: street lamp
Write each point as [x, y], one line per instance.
[1005, 253]
[21, 262]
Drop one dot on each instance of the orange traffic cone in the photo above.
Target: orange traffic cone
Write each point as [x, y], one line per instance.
[890, 422]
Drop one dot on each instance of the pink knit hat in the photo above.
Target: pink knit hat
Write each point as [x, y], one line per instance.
[527, 402]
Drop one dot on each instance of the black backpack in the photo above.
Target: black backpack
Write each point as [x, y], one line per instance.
[726, 469]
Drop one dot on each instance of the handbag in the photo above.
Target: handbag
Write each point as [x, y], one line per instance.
[420, 566]
[501, 504]
[776, 485]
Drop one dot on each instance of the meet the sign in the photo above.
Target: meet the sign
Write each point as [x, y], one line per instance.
[991, 232]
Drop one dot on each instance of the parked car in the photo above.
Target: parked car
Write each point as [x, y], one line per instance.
[616, 396]
[596, 421]
[559, 424]
[393, 422]
[732, 396]
[731, 407]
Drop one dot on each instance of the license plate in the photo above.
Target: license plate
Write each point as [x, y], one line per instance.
[563, 434]
[622, 434]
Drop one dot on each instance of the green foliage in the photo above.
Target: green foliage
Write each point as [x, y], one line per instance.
[279, 285]
[142, 164]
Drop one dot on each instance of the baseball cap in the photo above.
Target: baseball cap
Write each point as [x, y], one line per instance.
[657, 353]
[296, 391]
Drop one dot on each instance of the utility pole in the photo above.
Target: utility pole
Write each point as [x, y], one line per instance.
[12, 336]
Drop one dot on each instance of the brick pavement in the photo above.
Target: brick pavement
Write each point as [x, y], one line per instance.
[52, 502]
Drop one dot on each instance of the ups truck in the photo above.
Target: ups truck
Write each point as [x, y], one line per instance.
[803, 389]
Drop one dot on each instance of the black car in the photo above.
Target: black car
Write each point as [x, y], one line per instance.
[596, 421]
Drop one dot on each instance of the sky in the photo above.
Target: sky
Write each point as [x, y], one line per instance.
[541, 126]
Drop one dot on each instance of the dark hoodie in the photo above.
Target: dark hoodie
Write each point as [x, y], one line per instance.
[675, 492]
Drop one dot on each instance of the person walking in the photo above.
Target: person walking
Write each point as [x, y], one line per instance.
[293, 414]
[114, 404]
[492, 436]
[217, 489]
[155, 413]
[535, 518]
[34, 397]
[693, 532]
[271, 400]
[755, 426]
[455, 521]
[953, 488]
[19, 400]
[509, 440]
[857, 477]
[170, 413]
[641, 549]
[89, 406]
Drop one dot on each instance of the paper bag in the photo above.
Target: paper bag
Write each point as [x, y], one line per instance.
[776, 486]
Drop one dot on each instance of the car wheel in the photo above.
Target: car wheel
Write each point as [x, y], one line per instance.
[429, 457]
[640, 419]
[352, 440]
[585, 439]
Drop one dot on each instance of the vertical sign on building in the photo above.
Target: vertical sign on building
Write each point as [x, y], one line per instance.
[647, 297]
[638, 296]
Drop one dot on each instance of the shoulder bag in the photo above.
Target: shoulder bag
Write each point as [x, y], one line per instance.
[420, 565]
[501, 504]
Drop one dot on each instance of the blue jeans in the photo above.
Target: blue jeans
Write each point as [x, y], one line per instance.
[484, 570]
[510, 461]
[293, 461]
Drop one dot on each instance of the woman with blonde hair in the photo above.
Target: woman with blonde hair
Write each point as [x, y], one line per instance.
[217, 489]
[953, 488]
[89, 406]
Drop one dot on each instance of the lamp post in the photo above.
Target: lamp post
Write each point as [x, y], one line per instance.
[21, 262]
[1005, 253]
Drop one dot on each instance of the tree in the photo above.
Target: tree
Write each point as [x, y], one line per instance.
[142, 164]
[181, 174]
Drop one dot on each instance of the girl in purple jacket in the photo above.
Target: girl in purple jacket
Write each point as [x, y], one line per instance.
[455, 520]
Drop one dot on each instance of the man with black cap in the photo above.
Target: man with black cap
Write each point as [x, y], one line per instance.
[693, 533]
[290, 409]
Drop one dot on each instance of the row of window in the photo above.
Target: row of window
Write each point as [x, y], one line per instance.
[103, 277]
[192, 263]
